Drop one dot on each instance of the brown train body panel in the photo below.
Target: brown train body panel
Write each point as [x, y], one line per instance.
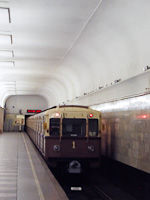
[72, 148]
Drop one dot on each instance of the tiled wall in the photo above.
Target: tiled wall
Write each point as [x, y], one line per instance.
[126, 131]
[126, 137]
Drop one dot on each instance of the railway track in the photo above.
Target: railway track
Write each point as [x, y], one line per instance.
[94, 192]
[81, 187]
[87, 192]
[100, 193]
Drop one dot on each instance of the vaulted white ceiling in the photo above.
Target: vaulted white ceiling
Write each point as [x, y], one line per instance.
[61, 49]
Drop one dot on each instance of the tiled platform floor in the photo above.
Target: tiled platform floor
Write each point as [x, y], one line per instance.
[23, 173]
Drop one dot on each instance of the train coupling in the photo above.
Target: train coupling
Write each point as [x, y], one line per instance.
[74, 167]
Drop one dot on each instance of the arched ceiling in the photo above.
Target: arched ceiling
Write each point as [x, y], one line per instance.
[65, 48]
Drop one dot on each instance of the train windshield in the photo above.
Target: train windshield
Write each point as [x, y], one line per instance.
[55, 126]
[74, 127]
[93, 127]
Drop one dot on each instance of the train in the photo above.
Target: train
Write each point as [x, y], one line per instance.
[68, 135]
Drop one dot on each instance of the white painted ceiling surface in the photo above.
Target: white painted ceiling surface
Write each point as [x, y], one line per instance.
[61, 49]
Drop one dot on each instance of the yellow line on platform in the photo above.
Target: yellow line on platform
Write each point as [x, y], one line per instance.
[40, 193]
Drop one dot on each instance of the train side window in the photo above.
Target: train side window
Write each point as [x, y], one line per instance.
[93, 127]
[54, 126]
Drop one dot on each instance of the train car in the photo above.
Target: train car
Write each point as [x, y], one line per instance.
[67, 134]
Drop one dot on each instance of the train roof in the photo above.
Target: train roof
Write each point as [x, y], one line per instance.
[78, 106]
[72, 107]
[66, 106]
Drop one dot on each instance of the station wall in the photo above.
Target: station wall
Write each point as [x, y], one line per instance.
[126, 131]
[21, 103]
[16, 110]
[1, 119]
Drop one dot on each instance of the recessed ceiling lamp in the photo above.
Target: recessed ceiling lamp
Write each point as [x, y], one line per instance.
[7, 64]
[6, 54]
[8, 82]
[10, 86]
[5, 39]
[4, 16]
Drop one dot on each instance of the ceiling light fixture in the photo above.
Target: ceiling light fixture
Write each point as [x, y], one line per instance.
[7, 64]
[8, 82]
[6, 54]
[4, 15]
[5, 39]
[146, 68]
[117, 80]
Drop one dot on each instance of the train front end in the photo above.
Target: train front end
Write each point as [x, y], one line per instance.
[74, 137]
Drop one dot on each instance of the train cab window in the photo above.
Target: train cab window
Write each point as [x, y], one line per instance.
[93, 127]
[74, 127]
[54, 126]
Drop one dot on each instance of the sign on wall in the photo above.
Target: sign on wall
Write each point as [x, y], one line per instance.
[33, 111]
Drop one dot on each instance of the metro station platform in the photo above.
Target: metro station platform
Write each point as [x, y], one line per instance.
[23, 173]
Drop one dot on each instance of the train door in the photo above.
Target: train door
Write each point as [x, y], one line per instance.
[26, 116]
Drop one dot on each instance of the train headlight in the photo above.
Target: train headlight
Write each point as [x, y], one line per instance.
[56, 147]
[90, 115]
[91, 148]
[57, 114]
